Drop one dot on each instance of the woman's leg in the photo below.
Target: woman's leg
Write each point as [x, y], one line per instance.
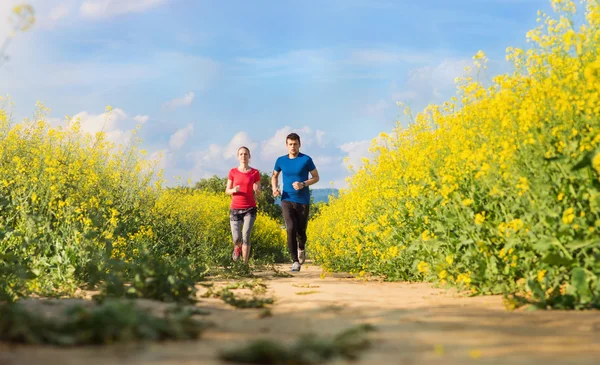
[236, 234]
[249, 219]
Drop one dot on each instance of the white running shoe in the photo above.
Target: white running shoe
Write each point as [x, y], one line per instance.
[301, 256]
[296, 266]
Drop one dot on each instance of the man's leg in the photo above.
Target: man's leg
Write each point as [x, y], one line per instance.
[302, 214]
[289, 216]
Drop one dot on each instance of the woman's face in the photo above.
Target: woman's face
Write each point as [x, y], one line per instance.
[243, 155]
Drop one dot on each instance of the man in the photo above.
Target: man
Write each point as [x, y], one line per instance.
[295, 197]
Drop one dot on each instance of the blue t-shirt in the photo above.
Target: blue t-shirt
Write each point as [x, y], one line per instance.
[295, 169]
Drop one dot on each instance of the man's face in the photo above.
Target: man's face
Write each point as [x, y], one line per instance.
[293, 147]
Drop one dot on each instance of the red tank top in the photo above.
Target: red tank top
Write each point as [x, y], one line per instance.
[245, 197]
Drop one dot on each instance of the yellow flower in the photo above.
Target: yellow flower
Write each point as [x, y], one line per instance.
[568, 216]
[479, 218]
[596, 162]
[467, 202]
[426, 235]
[475, 354]
[541, 275]
[423, 267]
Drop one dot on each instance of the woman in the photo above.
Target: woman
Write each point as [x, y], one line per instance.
[242, 183]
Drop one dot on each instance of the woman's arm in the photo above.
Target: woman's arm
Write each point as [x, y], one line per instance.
[230, 189]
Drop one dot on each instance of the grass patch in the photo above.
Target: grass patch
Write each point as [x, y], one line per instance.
[256, 301]
[308, 349]
[106, 323]
[305, 286]
[308, 292]
[266, 312]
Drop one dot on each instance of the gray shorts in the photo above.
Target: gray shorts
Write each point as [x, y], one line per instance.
[241, 221]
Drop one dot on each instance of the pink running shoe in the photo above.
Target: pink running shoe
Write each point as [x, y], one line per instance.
[237, 251]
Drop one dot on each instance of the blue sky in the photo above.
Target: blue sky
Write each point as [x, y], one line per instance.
[204, 77]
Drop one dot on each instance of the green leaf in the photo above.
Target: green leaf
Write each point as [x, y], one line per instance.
[555, 158]
[585, 161]
[575, 245]
[538, 292]
[543, 245]
[579, 282]
[493, 267]
[556, 259]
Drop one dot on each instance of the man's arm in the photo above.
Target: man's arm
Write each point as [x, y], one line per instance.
[275, 182]
[313, 180]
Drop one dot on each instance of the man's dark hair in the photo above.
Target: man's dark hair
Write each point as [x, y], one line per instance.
[293, 137]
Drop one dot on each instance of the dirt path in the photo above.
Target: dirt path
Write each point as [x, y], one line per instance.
[416, 324]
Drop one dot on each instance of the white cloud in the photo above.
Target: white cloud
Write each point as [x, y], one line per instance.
[163, 156]
[303, 58]
[35, 69]
[194, 39]
[355, 151]
[186, 100]
[275, 146]
[218, 159]
[320, 135]
[141, 118]
[47, 13]
[431, 83]
[324, 160]
[179, 138]
[93, 123]
[378, 108]
[111, 123]
[54, 122]
[58, 12]
[32, 75]
[327, 63]
[112, 8]
[48, 18]
[374, 56]
[239, 140]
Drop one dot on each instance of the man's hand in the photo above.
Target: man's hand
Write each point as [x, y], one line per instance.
[236, 189]
[276, 193]
[298, 185]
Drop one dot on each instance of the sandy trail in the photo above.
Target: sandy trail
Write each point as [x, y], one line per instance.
[416, 324]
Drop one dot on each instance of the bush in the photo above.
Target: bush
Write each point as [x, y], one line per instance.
[496, 190]
[72, 203]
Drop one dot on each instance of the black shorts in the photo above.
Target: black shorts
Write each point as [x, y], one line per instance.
[239, 214]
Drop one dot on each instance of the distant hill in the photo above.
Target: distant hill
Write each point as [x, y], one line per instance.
[319, 195]
[322, 195]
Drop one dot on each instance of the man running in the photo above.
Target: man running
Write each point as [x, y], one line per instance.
[295, 197]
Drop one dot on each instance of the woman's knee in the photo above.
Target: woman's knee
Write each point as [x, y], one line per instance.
[236, 234]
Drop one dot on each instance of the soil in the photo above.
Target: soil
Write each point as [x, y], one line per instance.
[415, 324]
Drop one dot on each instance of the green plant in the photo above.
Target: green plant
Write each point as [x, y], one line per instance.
[110, 322]
[308, 349]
